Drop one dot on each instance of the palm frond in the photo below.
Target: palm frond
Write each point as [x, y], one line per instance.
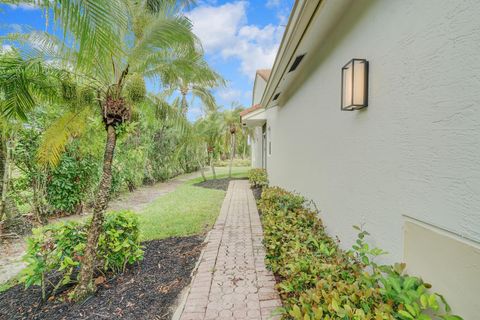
[56, 137]
[168, 113]
[164, 33]
[23, 80]
[206, 96]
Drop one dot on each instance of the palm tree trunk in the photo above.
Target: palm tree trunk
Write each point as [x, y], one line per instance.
[85, 285]
[184, 102]
[232, 154]
[213, 168]
[201, 171]
[4, 176]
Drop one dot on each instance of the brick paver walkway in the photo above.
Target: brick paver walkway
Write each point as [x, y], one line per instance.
[232, 281]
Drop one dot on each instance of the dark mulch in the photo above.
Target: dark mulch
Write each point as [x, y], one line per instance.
[145, 291]
[218, 184]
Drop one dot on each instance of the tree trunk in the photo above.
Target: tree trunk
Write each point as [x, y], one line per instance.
[3, 175]
[201, 171]
[85, 285]
[184, 102]
[232, 154]
[213, 167]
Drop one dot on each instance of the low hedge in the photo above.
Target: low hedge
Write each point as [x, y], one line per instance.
[258, 178]
[319, 280]
[56, 251]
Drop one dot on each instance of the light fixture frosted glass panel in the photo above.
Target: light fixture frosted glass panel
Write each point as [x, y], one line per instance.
[347, 85]
[358, 83]
[355, 85]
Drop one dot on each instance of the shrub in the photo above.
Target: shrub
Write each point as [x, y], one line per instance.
[118, 244]
[321, 281]
[258, 178]
[71, 182]
[57, 250]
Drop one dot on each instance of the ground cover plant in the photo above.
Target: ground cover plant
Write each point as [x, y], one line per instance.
[319, 280]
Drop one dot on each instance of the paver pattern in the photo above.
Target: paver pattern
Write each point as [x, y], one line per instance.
[232, 281]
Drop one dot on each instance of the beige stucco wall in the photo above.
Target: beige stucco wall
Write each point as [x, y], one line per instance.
[256, 147]
[456, 262]
[415, 151]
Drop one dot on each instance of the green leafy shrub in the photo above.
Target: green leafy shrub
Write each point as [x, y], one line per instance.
[58, 249]
[71, 181]
[258, 178]
[119, 245]
[319, 280]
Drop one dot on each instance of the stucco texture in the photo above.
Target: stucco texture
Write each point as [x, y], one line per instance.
[415, 150]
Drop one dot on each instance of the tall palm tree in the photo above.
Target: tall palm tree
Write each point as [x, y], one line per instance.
[232, 125]
[192, 75]
[211, 129]
[132, 39]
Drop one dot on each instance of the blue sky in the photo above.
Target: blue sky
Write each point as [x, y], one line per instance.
[238, 38]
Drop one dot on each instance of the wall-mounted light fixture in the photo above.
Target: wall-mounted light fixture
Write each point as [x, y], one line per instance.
[355, 85]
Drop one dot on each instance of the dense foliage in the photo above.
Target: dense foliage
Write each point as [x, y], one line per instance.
[258, 178]
[319, 280]
[56, 251]
[78, 124]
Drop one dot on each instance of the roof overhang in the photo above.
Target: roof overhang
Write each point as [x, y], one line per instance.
[310, 22]
[254, 118]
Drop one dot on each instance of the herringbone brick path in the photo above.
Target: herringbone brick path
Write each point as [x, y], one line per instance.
[232, 281]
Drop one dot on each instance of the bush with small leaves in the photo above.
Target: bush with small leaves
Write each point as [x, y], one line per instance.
[319, 280]
[258, 178]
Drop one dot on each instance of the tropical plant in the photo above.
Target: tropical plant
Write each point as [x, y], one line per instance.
[21, 81]
[232, 126]
[191, 75]
[112, 43]
[59, 248]
[211, 129]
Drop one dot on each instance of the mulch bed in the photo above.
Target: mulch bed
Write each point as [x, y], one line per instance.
[218, 184]
[148, 290]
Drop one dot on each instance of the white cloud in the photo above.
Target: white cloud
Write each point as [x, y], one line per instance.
[23, 6]
[5, 48]
[229, 94]
[224, 30]
[16, 28]
[273, 3]
[217, 26]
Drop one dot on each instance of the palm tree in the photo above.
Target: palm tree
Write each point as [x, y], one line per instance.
[22, 83]
[192, 75]
[211, 129]
[232, 125]
[126, 38]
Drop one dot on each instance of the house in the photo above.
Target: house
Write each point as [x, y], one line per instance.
[390, 141]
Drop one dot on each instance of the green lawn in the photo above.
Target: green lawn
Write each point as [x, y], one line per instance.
[222, 172]
[186, 211]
